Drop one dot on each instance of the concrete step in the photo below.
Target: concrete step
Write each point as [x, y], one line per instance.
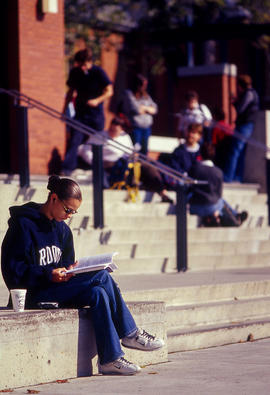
[168, 264]
[210, 313]
[159, 249]
[242, 195]
[44, 346]
[196, 288]
[217, 335]
[213, 313]
[208, 235]
[115, 221]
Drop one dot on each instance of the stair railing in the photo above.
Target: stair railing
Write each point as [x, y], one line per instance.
[181, 179]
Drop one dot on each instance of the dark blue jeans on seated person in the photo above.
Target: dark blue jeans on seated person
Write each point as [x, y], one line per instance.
[203, 210]
[111, 317]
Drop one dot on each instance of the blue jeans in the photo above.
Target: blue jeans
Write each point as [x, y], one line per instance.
[112, 319]
[203, 210]
[234, 169]
[77, 138]
[141, 136]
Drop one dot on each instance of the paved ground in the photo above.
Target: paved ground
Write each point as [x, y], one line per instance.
[238, 369]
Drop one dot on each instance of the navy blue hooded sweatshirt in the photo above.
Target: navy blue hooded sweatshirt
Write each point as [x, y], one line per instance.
[33, 246]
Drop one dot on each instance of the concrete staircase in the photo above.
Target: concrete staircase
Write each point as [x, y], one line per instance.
[223, 298]
[215, 312]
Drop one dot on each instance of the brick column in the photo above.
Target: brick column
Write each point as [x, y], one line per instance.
[41, 75]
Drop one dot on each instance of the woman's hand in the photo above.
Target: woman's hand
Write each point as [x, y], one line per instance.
[59, 275]
[73, 266]
[93, 102]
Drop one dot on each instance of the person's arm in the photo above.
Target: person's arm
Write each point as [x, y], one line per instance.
[68, 99]
[18, 252]
[106, 94]
[131, 105]
[19, 261]
[242, 104]
[207, 115]
[67, 259]
[149, 108]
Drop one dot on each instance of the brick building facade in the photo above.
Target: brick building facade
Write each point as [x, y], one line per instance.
[32, 43]
[35, 57]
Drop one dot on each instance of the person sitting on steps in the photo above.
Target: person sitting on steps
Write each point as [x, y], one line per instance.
[206, 200]
[37, 251]
[115, 160]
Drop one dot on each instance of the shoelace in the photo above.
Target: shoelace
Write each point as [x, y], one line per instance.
[124, 361]
[146, 335]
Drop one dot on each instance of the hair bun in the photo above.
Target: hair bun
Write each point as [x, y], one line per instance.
[53, 183]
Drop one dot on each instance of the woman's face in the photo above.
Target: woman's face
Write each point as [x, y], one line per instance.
[192, 103]
[115, 130]
[63, 209]
[193, 137]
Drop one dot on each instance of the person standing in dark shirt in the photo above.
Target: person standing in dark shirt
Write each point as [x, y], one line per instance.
[247, 106]
[92, 87]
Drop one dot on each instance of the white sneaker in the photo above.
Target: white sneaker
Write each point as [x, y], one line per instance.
[143, 341]
[119, 366]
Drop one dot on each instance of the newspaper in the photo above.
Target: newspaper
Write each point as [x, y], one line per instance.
[93, 263]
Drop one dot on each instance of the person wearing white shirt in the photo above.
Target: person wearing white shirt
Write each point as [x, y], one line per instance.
[193, 113]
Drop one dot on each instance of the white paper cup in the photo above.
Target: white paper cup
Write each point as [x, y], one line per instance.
[18, 299]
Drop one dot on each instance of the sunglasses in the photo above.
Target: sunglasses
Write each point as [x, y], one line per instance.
[68, 210]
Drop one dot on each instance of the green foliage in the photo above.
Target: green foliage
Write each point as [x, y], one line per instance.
[260, 9]
[92, 21]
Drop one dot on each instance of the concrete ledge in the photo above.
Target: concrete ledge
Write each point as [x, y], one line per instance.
[213, 69]
[39, 346]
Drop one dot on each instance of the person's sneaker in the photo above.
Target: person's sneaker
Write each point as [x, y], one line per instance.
[166, 199]
[241, 217]
[119, 366]
[143, 341]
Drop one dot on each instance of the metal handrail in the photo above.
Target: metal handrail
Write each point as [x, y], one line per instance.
[87, 130]
[182, 180]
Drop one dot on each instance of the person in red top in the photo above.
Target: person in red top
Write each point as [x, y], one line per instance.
[221, 137]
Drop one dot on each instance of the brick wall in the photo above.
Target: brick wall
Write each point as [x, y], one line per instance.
[41, 76]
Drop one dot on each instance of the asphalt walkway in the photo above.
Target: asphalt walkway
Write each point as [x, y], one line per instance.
[238, 369]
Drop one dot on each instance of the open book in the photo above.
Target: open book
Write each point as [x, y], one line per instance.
[96, 262]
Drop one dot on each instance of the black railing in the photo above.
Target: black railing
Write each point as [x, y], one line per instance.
[181, 180]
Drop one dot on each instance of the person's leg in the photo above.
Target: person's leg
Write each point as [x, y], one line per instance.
[237, 147]
[107, 338]
[70, 161]
[204, 210]
[111, 317]
[146, 132]
[232, 216]
[136, 136]
[240, 168]
[151, 178]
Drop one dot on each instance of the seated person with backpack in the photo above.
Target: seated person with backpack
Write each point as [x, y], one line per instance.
[206, 200]
[116, 160]
[183, 157]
